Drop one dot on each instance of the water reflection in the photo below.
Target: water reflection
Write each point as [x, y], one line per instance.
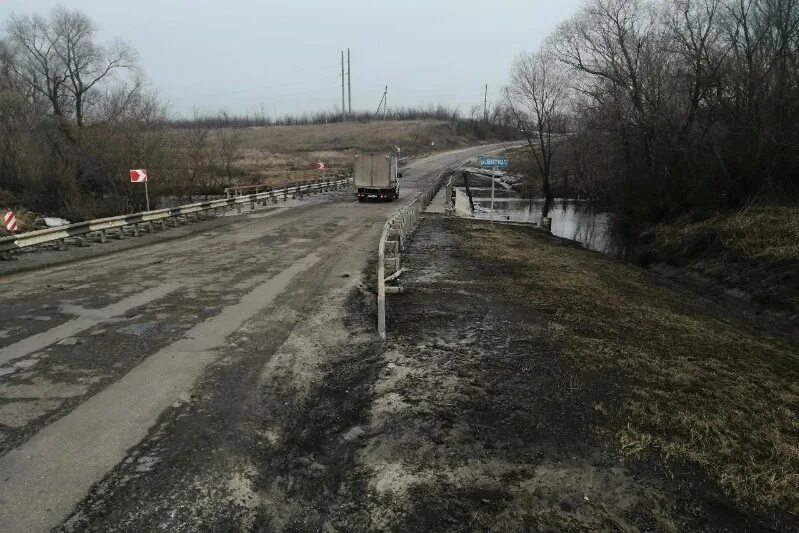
[571, 219]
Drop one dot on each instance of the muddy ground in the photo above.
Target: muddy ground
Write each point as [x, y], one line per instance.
[531, 385]
[511, 396]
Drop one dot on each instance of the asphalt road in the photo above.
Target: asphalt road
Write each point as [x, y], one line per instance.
[105, 360]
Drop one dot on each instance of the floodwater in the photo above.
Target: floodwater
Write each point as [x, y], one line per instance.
[576, 220]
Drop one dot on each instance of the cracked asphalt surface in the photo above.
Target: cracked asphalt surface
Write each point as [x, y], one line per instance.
[157, 387]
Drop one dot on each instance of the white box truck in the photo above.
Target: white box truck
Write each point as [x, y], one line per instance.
[376, 177]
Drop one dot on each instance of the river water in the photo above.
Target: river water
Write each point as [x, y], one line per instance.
[576, 220]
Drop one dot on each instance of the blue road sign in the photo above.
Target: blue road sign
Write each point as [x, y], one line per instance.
[493, 162]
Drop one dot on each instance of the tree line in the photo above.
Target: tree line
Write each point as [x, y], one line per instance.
[665, 106]
[76, 115]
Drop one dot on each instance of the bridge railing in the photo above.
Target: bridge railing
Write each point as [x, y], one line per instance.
[240, 190]
[119, 223]
[393, 241]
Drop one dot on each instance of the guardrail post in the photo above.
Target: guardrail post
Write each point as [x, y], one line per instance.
[238, 208]
[103, 236]
[381, 287]
[121, 232]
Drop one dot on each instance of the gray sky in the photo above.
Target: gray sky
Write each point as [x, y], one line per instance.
[244, 55]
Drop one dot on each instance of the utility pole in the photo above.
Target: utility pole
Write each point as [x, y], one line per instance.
[383, 102]
[485, 104]
[343, 109]
[349, 83]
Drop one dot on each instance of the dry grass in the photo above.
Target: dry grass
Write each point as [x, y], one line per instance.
[769, 232]
[412, 135]
[697, 387]
[755, 249]
[277, 155]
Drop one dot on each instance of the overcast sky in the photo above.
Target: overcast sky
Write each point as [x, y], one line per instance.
[284, 57]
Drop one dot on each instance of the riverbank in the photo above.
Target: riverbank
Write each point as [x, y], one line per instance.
[753, 253]
[530, 384]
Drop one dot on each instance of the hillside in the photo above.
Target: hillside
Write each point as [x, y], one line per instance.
[279, 154]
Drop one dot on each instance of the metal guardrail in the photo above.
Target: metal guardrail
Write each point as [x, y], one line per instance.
[101, 225]
[399, 226]
[239, 190]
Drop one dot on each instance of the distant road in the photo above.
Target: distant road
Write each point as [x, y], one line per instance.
[96, 354]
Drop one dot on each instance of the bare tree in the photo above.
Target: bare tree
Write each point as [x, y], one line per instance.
[228, 147]
[74, 115]
[86, 63]
[59, 60]
[536, 97]
[697, 40]
[37, 63]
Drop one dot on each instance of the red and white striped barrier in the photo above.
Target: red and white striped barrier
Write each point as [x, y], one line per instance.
[10, 221]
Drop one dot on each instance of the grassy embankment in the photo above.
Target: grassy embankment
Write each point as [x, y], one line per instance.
[697, 386]
[755, 249]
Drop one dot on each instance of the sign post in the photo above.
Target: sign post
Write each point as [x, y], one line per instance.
[321, 168]
[494, 163]
[493, 184]
[140, 176]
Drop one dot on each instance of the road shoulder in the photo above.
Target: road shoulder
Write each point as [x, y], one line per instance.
[533, 385]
